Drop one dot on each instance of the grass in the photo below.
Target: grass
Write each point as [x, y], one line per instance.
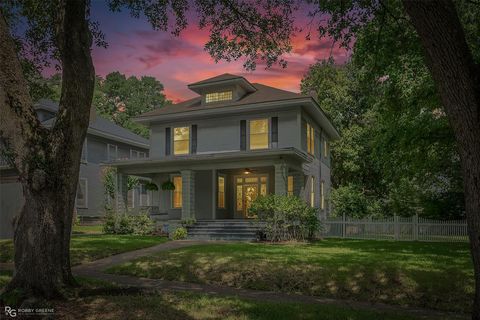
[429, 275]
[86, 248]
[97, 299]
[90, 229]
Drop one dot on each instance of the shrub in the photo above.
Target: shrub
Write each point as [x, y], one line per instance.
[188, 222]
[180, 233]
[350, 200]
[285, 217]
[128, 224]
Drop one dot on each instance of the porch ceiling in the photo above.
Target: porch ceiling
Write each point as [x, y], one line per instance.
[225, 160]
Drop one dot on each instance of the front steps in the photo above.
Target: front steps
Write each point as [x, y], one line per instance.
[238, 230]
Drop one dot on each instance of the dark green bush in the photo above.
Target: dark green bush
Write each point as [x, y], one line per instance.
[180, 233]
[285, 218]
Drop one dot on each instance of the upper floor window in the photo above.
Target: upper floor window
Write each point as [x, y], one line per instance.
[112, 152]
[181, 140]
[326, 148]
[219, 96]
[134, 154]
[310, 139]
[258, 134]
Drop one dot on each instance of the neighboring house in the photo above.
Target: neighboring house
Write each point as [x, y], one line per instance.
[105, 142]
[235, 141]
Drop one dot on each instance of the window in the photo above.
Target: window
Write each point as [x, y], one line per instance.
[84, 152]
[219, 96]
[144, 195]
[181, 140]
[221, 192]
[312, 191]
[131, 198]
[134, 154]
[290, 185]
[258, 134]
[322, 195]
[112, 152]
[326, 148]
[177, 193]
[82, 193]
[310, 139]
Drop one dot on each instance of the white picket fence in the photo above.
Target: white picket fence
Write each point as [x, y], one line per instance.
[396, 228]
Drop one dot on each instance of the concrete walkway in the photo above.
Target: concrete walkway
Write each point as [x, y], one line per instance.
[95, 270]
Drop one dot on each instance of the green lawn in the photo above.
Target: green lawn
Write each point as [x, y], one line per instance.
[86, 248]
[430, 275]
[93, 229]
[98, 299]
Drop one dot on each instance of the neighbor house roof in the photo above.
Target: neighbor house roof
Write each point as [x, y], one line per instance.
[102, 127]
[46, 104]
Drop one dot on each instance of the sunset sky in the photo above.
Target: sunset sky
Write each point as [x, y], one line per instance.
[136, 49]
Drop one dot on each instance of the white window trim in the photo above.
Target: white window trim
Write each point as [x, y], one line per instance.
[108, 151]
[84, 151]
[269, 133]
[85, 206]
[172, 191]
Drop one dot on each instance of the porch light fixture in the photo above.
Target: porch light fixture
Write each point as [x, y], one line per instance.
[247, 171]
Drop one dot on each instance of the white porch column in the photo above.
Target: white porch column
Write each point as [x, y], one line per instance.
[188, 194]
[121, 191]
[281, 179]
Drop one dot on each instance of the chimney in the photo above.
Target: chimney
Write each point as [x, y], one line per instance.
[93, 114]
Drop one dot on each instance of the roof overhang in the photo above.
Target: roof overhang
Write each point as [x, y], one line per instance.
[223, 160]
[308, 103]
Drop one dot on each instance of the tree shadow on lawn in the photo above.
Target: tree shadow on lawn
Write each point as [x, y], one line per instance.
[429, 280]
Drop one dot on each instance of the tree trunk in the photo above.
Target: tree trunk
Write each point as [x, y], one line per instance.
[458, 82]
[47, 160]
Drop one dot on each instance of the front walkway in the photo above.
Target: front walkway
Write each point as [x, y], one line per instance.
[95, 270]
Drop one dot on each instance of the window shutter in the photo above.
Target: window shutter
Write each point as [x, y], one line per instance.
[194, 138]
[243, 135]
[274, 132]
[304, 135]
[168, 141]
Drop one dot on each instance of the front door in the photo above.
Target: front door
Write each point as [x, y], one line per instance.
[247, 190]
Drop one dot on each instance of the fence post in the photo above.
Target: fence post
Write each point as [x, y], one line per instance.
[395, 226]
[343, 225]
[415, 227]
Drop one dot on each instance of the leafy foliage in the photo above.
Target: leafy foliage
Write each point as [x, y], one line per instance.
[128, 224]
[285, 217]
[180, 233]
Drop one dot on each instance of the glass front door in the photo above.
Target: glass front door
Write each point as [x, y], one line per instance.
[248, 188]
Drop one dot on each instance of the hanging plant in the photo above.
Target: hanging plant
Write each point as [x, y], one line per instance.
[151, 186]
[168, 185]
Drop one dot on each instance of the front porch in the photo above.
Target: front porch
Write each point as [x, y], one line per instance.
[213, 187]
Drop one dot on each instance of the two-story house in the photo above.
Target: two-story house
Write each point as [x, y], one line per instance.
[105, 142]
[233, 142]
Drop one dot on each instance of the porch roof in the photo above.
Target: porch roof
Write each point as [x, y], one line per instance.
[223, 160]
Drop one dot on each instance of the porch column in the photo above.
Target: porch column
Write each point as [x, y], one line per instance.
[281, 179]
[121, 191]
[188, 194]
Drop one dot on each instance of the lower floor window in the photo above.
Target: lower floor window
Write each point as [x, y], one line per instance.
[322, 195]
[177, 193]
[81, 199]
[312, 191]
[290, 185]
[221, 192]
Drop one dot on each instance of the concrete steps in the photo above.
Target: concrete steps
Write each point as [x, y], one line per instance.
[239, 230]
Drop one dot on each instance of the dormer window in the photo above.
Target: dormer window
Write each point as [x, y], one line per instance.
[219, 96]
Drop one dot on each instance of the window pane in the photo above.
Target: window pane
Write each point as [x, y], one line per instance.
[290, 186]
[263, 189]
[322, 196]
[221, 192]
[258, 141]
[181, 140]
[81, 198]
[239, 198]
[219, 96]
[251, 180]
[312, 192]
[259, 126]
[177, 193]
